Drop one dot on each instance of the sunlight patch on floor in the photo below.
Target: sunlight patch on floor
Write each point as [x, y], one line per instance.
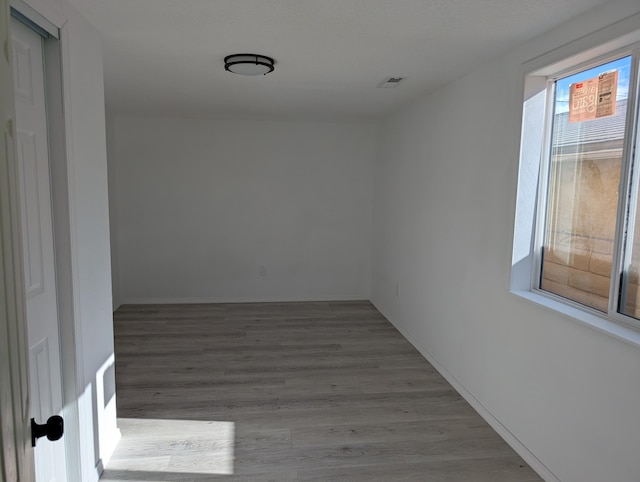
[187, 446]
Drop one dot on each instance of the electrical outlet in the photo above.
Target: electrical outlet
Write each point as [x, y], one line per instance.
[263, 271]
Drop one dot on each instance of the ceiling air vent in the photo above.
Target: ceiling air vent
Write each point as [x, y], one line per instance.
[390, 82]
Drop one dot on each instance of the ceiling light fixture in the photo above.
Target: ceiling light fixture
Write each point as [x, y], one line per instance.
[390, 82]
[249, 64]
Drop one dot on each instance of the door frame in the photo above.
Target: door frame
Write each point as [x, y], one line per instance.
[47, 17]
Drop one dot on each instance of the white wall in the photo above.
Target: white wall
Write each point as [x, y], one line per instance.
[202, 205]
[445, 189]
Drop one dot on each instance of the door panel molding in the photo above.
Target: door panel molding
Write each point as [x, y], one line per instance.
[32, 225]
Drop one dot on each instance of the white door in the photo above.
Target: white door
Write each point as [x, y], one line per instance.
[37, 234]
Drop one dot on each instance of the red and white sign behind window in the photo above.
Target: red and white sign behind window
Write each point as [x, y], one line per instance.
[594, 98]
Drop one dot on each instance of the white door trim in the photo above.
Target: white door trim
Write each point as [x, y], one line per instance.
[62, 185]
[64, 243]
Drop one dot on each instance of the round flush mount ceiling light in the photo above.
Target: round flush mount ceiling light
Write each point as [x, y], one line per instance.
[249, 64]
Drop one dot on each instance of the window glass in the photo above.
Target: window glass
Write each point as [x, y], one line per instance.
[629, 289]
[587, 139]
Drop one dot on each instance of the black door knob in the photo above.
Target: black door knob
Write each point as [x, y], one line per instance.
[53, 429]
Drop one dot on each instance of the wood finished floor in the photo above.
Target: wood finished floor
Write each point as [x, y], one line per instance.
[323, 391]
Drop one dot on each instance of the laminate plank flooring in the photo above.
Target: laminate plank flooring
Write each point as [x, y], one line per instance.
[318, 391]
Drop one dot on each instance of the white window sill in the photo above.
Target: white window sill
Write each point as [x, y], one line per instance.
[600, 323]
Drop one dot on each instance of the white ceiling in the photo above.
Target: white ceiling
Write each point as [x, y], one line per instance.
[165, 57]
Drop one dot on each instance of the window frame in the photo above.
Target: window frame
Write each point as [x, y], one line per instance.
[559, 66]
[626, 183]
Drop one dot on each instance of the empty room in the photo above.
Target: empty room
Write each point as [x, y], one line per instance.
[332, 240]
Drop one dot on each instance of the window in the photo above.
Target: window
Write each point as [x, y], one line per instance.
[584, 171]
[578, 158]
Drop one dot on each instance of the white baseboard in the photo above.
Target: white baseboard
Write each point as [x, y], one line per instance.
[99, 468]
[103, 462]
[528, 456]
[290, 299]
